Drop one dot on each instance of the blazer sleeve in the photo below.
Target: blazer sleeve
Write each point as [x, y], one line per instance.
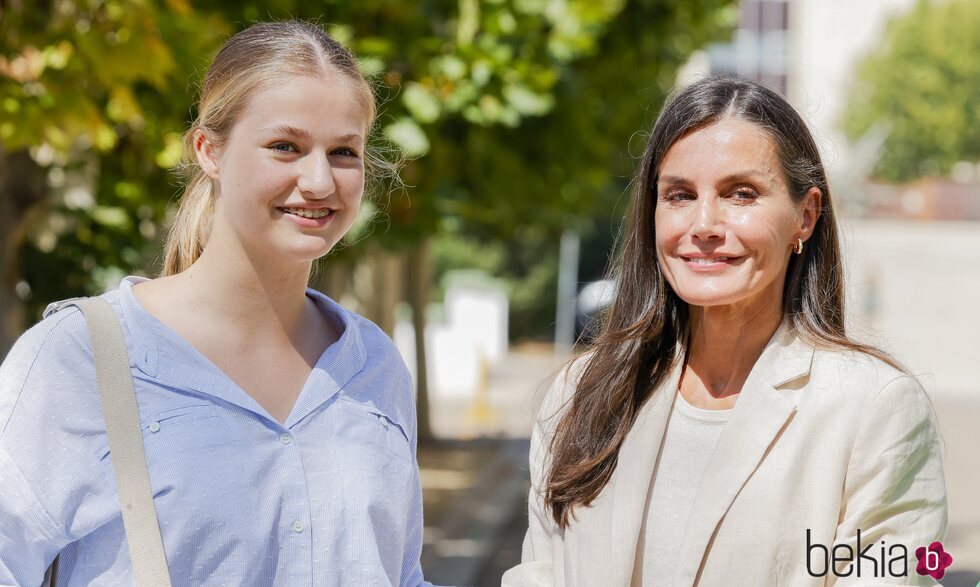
[895, 490]
[538, 565]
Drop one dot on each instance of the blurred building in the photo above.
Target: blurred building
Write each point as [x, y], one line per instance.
[759, 49]
[929, 198]
[807, 50]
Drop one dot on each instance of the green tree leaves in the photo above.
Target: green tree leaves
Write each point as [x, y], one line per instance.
[515, 114]
[923, 84]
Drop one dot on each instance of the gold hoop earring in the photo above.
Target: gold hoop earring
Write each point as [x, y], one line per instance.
[798, 247]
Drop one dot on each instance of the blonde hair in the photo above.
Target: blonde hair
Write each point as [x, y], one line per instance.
[249, 61]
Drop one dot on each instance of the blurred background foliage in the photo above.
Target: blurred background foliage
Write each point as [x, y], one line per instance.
[519, 119]
[922, 85]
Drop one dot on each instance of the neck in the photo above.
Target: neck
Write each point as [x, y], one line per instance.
[259, 297]
[725, 342]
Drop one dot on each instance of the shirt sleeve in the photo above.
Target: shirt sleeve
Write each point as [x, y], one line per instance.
[412, 573]
[895, 490]
[53, 487]
[28, 535]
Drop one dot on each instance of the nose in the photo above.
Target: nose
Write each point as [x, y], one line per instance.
[315, 179]
[708, 221]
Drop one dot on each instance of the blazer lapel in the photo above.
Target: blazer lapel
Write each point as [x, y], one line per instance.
[631, 480]
[760, 413]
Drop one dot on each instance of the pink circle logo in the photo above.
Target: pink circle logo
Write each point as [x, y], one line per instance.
[933, 560]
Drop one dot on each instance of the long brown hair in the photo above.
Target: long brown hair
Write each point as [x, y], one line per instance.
[642, 333]
[250, 61]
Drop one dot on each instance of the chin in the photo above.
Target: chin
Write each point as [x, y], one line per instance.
[710, 301]
[707, 297]
[310, 251]
[313, 255]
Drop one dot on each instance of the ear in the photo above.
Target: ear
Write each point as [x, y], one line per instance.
[812, 206]
[207, 153]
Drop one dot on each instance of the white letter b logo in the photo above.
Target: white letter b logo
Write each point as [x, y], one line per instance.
[932, 560]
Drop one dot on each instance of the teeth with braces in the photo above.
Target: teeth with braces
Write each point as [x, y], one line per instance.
[307, 213]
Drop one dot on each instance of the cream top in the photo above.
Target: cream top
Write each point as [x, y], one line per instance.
[689, 441]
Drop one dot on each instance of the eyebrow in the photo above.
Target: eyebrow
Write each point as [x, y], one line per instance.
[288, 130]
[731, 178]
[302, 134]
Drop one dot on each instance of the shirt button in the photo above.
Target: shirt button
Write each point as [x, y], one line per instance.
[285, 438]
[154, 426]
[298, 526]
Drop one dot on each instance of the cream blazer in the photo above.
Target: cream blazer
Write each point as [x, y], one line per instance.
[830, 442]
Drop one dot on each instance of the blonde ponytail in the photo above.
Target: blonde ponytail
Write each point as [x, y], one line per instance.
[191, 226]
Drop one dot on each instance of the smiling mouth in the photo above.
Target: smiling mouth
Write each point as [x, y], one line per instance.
[707, 260]
[309, 212]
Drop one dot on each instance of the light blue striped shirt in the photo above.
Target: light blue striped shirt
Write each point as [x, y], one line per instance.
[332, 497]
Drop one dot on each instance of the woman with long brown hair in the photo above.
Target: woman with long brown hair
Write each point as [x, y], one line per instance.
[723, 429]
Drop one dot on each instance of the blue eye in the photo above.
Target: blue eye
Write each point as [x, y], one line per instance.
[346, 152]
[283, 148]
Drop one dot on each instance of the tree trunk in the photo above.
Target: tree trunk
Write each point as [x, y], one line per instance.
[332, 279]
[378, 287]
[22, 188]
[419, 281]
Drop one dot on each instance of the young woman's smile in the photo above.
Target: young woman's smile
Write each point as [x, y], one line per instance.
[308, 217]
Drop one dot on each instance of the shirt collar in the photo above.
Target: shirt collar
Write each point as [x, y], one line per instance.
[166, 358]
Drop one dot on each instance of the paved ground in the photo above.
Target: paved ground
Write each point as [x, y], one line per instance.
[959, 422]
[474, 493]
[506, 409]
[475, 486]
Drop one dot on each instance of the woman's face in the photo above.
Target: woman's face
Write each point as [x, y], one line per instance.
[724, 220]
[291, 175]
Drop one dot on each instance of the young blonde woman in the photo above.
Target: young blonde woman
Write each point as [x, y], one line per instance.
[278, 427]
[724, 430]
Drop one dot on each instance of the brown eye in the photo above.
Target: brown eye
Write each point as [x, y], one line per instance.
[677, 196]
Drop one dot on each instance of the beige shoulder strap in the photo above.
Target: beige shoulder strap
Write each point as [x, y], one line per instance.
[122, 423]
